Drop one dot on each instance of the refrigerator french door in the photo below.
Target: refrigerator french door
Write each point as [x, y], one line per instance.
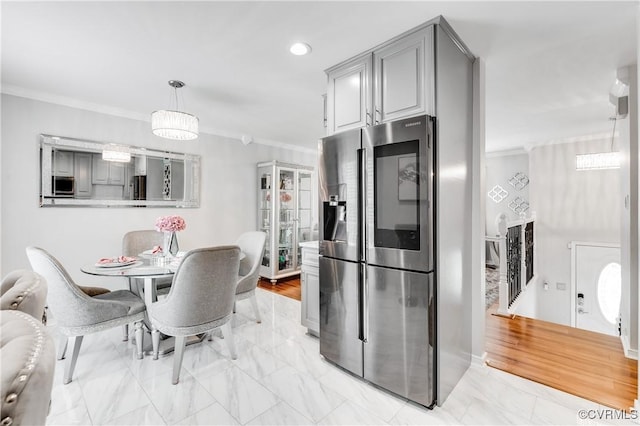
[376, 267]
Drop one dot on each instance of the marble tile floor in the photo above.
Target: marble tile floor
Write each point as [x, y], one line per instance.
[279, 379]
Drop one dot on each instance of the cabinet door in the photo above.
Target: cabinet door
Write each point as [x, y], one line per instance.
[116, 173]
[62, 163]
[305, 204]
[99, 170]
[310, 282]
[82, 174]
[404, 78]
[265, 219]
[286, 219]
[140, 165]
[349, 96]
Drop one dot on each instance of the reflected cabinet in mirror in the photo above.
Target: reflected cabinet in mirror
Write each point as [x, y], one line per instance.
[77, 172]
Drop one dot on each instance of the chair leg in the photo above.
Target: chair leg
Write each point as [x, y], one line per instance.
[155, 342]
[234, 306]
[70, 364]
[256, 311]
[62, 346]
[228, 337]
[178, 352]
[139, 333]
[125, 332]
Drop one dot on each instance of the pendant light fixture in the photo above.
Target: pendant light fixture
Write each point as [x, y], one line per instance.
[174, 124]
[600, 160]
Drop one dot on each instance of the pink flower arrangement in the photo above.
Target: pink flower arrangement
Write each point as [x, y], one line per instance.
[170, 224]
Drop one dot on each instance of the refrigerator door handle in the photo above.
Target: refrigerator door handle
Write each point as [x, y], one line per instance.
[363, 311]
[362, 204]
[364, 304]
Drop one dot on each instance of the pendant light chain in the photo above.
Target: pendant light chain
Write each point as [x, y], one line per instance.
[615, 121]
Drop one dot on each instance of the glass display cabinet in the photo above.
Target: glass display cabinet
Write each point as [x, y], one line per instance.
[285, 214]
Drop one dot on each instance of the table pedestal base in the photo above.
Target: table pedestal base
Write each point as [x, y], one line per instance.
[167, 343]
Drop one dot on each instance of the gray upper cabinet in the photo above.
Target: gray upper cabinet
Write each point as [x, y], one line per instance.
[107, 172]
[62, 163]
[392, 81]
[403, 71]
[82, 174]
[349, 95]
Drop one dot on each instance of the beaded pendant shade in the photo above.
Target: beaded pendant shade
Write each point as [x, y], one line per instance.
[174, 124]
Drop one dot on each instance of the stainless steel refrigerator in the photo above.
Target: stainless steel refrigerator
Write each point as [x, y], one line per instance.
[377, 309]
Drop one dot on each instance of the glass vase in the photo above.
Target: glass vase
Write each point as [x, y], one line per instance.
[170, 244]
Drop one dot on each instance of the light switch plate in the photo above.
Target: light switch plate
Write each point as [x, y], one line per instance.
[561, 286]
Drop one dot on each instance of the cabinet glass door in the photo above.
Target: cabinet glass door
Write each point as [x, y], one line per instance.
[286, 225]
[304, 209]
[264, 211]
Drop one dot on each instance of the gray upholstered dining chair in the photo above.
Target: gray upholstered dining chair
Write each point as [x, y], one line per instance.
[25, 291]
[78, 314]
[136, 242]
[28, 360]
[252, 245]
[199, 301]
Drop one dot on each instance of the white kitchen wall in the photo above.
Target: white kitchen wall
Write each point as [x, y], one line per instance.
[569, 206]
[77, 236]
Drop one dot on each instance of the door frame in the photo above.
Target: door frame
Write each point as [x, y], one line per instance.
[573, 245]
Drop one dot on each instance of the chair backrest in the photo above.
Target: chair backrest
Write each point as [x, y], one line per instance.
[135, 242]
[70, 305]
[28, 364]
[252, 245]
[203, 289]
[25, 291]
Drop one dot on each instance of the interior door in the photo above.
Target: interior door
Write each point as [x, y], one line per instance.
[598, 288]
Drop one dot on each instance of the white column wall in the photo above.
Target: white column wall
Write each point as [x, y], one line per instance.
[628, 147]
[478, 283]
[637, 404]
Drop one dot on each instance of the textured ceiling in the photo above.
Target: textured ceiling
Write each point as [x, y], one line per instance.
[549, 65]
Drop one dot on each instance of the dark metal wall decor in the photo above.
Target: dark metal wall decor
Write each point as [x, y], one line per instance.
[528, 251]
[514, 261]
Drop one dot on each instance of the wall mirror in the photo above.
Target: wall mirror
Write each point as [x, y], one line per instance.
[76, 172]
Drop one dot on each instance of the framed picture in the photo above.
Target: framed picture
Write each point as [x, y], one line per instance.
[408, 186]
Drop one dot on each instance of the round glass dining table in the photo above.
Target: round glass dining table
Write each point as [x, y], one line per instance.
[147, 270]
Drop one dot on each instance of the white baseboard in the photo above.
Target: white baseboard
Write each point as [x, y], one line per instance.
[479, 360]
[629, 353]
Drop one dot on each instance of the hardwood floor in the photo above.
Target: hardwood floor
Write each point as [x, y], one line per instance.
[289, 287]
[580, 362]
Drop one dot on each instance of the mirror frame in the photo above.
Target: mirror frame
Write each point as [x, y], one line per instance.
[48, 143]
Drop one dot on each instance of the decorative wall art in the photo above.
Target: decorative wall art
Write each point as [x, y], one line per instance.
[497, 194]
[519, 181]
[519, 205]
[408, 178]
[166, 183]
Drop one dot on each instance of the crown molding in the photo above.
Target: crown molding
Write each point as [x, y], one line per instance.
[506, 152]
[22, 92]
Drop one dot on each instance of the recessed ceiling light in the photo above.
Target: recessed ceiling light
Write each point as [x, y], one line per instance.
[300, 49]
